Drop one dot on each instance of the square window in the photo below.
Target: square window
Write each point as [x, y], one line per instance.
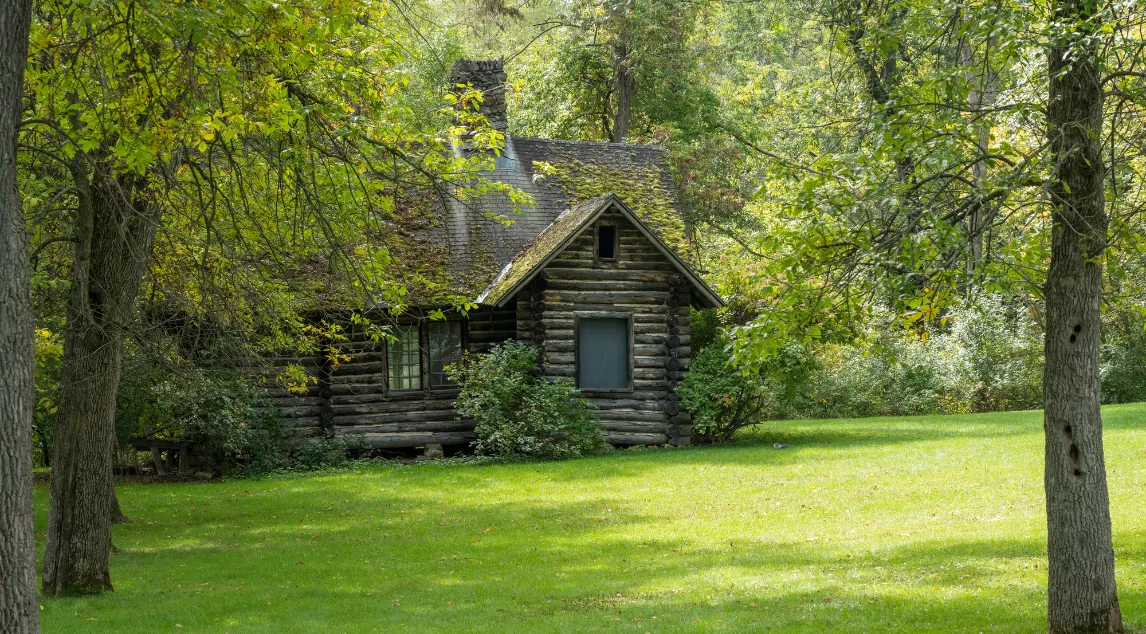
[603, 353]
[606, 242]
[445, 349]
[404, 357]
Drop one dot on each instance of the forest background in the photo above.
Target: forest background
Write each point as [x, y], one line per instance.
[798, 132]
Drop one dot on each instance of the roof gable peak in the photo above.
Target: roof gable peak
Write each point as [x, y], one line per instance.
[561, 232]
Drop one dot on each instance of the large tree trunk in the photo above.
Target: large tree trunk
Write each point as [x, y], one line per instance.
[19, 613]
[624, 88]
[1082, 596]
[116, 228]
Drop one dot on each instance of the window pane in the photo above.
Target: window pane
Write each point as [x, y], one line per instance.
[603, 353]
[405, 359]
[445, 349]
[606, 242]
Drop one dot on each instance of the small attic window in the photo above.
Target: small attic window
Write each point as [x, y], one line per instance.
[606, 242]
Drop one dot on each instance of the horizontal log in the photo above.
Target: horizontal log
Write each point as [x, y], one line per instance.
[636, 256]
[390, 428]
[501, 324]
[493, 336]
[412, 439]
[649, 362]
[386, 406]
[657, 393]
[376, 378]
[647, 405]
[301, 425]
[642, 313]
[609, 285]
[630, 415]
[633, 438]
[298, 412]
[551, 370]
[560, 273]
[351, 369]
[559, 346]
[640, 428]
[365, 356]
[607, 297]
[360, 389]
[579, 263]
[559, 357]
[391, 417]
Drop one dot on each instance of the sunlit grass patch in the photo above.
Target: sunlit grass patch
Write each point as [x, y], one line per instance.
[877, 525]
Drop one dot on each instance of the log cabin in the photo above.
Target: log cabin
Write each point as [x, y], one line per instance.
[591, 273]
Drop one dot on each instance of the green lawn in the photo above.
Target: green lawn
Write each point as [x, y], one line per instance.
[878, 525]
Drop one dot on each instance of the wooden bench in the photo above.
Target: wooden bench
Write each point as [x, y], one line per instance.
[175, 448]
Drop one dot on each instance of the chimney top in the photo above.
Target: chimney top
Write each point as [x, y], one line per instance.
[488, 76]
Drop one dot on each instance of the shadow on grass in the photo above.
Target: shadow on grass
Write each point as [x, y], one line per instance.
[283, 559]
[500, 548]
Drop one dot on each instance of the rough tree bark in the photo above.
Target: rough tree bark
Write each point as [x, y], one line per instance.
[1082, 596]
[624, 88]
[115, 228]
[19, 613]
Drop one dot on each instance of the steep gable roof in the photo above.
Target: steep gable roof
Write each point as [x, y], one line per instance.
[564, 229]
[476, 241]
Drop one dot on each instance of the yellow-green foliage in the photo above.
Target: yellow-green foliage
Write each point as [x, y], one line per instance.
[640, 187]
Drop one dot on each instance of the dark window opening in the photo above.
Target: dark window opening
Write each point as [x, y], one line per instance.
[445, 350]
[607, 242]
[603, 353]
[404, 357]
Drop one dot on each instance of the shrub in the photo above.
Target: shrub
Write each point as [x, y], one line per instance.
[721, 399]
[988, 359]
[1124, 358]
[516, 413]
[217, 409]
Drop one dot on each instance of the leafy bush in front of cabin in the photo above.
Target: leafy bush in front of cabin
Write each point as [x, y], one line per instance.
[720, 398]
[518, 413]
[218, 409]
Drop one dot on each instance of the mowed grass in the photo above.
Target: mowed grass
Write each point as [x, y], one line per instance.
[927, 524]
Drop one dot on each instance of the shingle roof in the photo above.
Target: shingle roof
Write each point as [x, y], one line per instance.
[551, 241]
[558, 175]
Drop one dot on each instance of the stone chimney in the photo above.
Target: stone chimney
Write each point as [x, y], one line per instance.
[488, 76]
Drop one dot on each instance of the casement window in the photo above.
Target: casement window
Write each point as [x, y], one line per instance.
[404, 359]
[604, 353]
[606, 242]
[419, 354]
[445, 349]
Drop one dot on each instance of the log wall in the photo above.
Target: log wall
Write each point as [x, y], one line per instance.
[350, 397]
[641, 282]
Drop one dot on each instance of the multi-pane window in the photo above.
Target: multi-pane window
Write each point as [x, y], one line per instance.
[405, 359]
[445, 349]
[603, 353]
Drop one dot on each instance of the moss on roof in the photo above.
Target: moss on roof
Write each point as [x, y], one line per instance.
[566, 227]
[644, 187]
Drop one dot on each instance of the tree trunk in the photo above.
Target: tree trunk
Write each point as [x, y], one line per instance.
[115, 231]
[624, 87]
[982, 95]
[19, 612]
[1082, 596]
